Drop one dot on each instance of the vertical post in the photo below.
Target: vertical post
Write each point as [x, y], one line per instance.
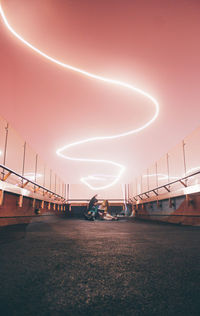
[50, 178]
[136, 186]
[44, 178]
[156, 174]
[5, 148]
[23, 163]
[167, 156]
[68, 192]
[55, 184]
[36, 161]
[141, 184]
[148, 179]
[157, 177]
[184, 161]
[5, 145]
[128, 191]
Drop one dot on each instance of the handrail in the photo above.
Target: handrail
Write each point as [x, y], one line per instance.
[165, 186]
[87, 200]
[32, 182]
[49, 191]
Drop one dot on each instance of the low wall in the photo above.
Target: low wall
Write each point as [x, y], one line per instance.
[12, 213]
[179, 210]
[30, 210]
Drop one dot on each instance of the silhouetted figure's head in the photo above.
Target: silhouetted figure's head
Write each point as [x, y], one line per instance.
[93, 201]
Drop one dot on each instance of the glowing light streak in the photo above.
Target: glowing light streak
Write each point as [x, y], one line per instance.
[31, 175]
[92, 139]
[192, 170]
[162, 176]
[100, 177]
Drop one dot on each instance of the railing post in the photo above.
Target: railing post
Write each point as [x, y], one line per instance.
[147, 179]
[5, 145]
[5, 148]
[36, 161]
[167, 157]
[50, 178]
[168, 174]
[55, 184]
[68, 192]
[136, 186]
[65, 191]
[128, 191]
[156, 165]
[44, 178]
[184, 161]
[23, 163]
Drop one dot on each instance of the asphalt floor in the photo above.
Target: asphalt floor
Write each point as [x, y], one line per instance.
[76, 267]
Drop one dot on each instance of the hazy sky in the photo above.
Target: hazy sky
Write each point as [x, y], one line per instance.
[151, 44]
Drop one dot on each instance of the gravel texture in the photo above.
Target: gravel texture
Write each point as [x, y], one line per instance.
[76, 267]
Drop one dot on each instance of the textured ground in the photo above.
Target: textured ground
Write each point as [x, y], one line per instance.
[76, 267]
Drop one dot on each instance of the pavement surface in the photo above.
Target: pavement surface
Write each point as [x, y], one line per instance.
[77, 267]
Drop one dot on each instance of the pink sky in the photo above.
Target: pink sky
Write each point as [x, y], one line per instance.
[153, 45]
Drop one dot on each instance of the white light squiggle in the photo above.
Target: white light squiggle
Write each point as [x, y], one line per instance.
[31, 176]
[92, 139]
[162, 176]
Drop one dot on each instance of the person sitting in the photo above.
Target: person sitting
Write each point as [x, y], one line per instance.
[103, 212]
[92, 211]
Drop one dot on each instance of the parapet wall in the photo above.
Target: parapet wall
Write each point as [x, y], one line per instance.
[16, 210]
[178, 210]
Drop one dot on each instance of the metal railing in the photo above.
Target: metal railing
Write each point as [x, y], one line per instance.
[165, 186]
[87, 200]
[25, 181]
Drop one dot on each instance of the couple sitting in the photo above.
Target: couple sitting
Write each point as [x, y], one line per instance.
[95, 211]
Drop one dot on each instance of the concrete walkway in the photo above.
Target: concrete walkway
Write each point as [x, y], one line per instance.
[76, 267]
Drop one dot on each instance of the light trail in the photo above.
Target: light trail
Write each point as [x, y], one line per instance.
[162, 176]
[92, 139]
[31, 176]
